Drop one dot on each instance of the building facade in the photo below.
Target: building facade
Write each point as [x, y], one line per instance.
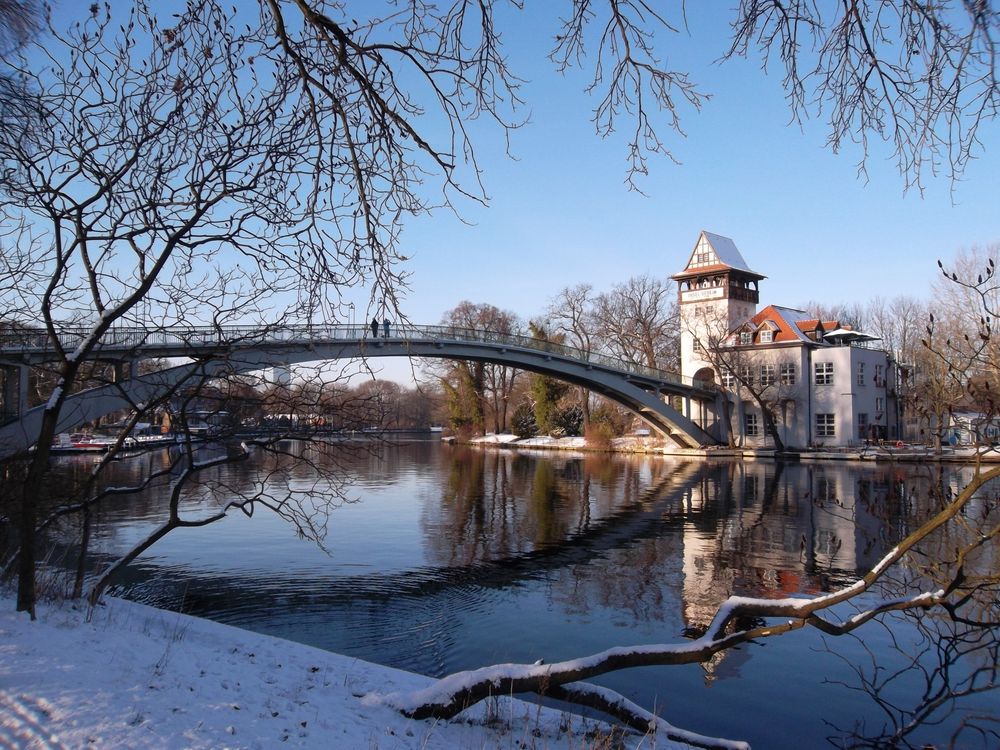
[823, 384]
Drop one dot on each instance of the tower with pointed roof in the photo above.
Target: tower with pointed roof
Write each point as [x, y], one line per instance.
[716, 292]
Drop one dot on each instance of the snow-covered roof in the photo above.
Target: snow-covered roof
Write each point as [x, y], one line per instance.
[726, 251]
[787, 320]
[714, 253]
[847, 335]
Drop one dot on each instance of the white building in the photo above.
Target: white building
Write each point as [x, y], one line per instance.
[822, 381]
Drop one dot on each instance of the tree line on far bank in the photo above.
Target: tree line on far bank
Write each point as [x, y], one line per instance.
[941, 345]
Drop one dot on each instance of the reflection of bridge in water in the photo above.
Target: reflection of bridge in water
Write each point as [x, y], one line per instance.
[679, 543]
[682, 409]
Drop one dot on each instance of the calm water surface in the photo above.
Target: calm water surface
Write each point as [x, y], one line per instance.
[446, 558]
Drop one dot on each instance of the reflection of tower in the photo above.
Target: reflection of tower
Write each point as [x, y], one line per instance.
[707, 580]
[717, 291]
[281, 374]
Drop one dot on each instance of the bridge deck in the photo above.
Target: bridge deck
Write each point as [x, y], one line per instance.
[182, 341]
[242, 349]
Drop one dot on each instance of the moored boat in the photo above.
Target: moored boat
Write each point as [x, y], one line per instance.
[82, 442]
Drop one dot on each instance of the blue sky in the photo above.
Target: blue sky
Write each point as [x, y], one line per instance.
[560, 214]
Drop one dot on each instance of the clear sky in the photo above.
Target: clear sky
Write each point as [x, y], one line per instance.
[561, 214]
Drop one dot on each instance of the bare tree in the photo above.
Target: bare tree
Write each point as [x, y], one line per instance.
[898, 323]
[852, 314]
[297, 471]
[951, 663]
[571, 314]
[637, 321]
[919, 76]
[966, 298]
[960, 362]
[19, 21]
[180, 186]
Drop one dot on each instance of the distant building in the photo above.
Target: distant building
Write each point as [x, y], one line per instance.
[825, 384]
[973, 428]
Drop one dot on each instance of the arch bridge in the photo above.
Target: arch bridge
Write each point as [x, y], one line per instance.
[684, 410]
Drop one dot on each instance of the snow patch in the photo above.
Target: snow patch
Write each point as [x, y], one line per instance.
[494, 439]
[54, 398]
[137, 677]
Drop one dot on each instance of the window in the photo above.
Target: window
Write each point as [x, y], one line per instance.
[766, 336]
[826, 490]
[861, 373]
[879, 376]
[750, 426]
[824, 373]
[787, 370]
[766, 375]
[703, 254]
[879, 404]
[746, 338]
[746, 375]
[825, 426]
[862, 426]
[728, 379]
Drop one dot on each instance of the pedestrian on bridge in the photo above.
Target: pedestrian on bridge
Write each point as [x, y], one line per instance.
[374, 328]
[385, 328]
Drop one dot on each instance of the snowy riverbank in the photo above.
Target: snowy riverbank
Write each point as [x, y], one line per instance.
[138, 677]
[887, 453]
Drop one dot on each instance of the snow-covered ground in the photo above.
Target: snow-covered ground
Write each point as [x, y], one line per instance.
[575, 443]
[132, 676]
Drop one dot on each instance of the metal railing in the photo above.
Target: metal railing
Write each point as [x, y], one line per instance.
[185, 340]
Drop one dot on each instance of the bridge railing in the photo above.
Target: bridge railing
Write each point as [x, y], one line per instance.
[183, 339]
[562, 350]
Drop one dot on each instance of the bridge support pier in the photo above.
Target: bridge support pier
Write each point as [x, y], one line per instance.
[125, 370]
[14, 392]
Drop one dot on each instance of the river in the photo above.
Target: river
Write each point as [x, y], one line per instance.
[437, 558]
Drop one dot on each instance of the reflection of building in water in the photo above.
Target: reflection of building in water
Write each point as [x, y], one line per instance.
[762, 529]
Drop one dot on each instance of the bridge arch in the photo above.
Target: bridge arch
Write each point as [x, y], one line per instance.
[641, 390]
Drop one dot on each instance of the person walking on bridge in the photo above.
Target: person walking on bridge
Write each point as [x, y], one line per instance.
[385, 328]
[374, 328]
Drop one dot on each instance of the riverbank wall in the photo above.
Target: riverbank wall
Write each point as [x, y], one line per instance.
[898, 452]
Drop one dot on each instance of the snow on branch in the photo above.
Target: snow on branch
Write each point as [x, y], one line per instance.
[636, 716]
[738, 620]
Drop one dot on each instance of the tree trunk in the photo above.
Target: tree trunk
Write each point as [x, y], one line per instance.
[771, 428]
[727, 416]
[31, 492]
[81, 558]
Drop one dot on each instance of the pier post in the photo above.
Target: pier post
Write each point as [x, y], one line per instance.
[14, 392]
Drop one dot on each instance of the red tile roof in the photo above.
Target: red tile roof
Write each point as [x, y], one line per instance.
[783, 330]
